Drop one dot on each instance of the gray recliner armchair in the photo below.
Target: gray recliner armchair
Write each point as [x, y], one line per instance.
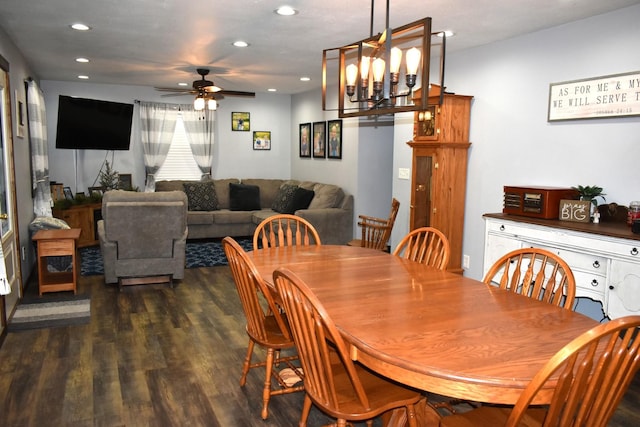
[143, 236]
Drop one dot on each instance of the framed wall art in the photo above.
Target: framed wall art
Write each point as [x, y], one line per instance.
[68, 194]
[305, 140]
[262, 140]
[319, 140]
[124, 181]
[240, 121]
[335, 139]
[20, 115]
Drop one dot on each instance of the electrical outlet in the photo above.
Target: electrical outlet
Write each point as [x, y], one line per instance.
[466, 261]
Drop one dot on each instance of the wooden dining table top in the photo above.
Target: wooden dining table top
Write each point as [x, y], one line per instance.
[433, 330]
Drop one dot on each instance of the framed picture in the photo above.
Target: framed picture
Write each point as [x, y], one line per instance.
[305, 140]
[335, 139]
[262, 140]
[20, 115]
[240, 122]
[68, 194]
[96, 191]
[319, 140]
[124, 181]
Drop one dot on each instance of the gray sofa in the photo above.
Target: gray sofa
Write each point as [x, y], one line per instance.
[330, 210]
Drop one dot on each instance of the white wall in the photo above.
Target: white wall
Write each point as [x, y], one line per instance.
[233, 151]
[512, 142]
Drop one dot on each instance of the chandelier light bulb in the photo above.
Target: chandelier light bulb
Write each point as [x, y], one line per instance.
[364, 68]
[378, 69]
[413, 60]
[352, 74]
[396, 59]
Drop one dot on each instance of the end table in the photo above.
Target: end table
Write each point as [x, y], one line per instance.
[62, 242]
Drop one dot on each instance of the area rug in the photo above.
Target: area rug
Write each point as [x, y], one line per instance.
[51, 312]
[199, 253]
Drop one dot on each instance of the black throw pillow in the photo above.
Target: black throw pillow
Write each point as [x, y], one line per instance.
[243, 197]
[301, 200]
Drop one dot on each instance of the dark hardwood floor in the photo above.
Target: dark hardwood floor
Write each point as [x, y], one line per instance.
[154, 356]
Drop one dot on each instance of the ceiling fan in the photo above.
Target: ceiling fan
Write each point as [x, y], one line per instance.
[204, 88]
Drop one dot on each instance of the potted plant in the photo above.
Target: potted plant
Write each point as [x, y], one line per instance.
[590, 193]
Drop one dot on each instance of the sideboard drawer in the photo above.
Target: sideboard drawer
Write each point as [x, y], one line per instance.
[580, 261]
[590, 285]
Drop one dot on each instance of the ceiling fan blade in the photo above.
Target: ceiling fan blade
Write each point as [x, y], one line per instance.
[174, 89]
[237, 93]
[176, 94]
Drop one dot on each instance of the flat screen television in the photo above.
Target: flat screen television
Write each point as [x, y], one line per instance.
[91, 124]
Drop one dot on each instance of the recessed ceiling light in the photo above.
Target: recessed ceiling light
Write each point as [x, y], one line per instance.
[183, 84]
[447, 33]
[83, 77]
[305, 79]
[272, 90]
[80, 27]
[240, 43]
[286, 11]
[82, 60]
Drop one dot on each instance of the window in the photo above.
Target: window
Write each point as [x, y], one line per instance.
[179, 163]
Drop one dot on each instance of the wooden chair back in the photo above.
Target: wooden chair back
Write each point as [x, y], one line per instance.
[536, 273]
[285, 230]
[257, 301]
[377, 231]
[426, 245]
[331, 379]
[595, 371]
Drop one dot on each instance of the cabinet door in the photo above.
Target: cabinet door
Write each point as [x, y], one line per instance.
[80, 218]
[624, 289]
[496, 246]
[422, 182]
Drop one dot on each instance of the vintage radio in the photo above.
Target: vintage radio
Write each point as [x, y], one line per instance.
[538, 202]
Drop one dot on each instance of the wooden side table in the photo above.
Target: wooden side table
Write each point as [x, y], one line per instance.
[57, 243]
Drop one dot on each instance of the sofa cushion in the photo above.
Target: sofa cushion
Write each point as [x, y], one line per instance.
[284, 198]
[326, 195]
[222, 191]
[201, 195]
[226, 216]
[268, 189]
[200, 217]
[243, 197]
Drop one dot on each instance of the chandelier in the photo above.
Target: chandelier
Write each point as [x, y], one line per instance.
[370, 81]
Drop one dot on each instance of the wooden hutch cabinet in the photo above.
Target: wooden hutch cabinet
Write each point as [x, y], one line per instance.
[439, 168]
[84, 217]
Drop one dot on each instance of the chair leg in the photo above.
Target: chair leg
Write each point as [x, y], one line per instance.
[266, 392]
[247, 364]
[306, 408]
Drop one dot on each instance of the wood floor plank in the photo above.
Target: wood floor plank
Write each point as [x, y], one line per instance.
[154, 355]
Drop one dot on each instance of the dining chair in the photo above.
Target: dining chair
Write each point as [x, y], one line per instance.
[285, 230]
[376, 231]
[333, 382]
[426, 245]
[536, 273]
[594, 370]
[266, 325]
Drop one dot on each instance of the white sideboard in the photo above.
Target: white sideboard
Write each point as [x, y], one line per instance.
[604, 258]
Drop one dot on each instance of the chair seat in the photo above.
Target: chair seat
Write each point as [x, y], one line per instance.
[275, 337]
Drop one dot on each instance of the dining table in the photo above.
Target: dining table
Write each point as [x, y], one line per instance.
[433, 330]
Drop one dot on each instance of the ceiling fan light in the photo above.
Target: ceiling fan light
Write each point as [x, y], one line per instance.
[212, 105]
[198, 104]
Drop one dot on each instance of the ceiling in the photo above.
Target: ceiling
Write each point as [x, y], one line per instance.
[162, 42]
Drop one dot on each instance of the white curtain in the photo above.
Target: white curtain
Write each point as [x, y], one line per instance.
[199, 126]
[37, 121]
[157, 125]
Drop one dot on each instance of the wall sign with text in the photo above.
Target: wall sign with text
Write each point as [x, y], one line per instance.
[575, 210]
[616, 95]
